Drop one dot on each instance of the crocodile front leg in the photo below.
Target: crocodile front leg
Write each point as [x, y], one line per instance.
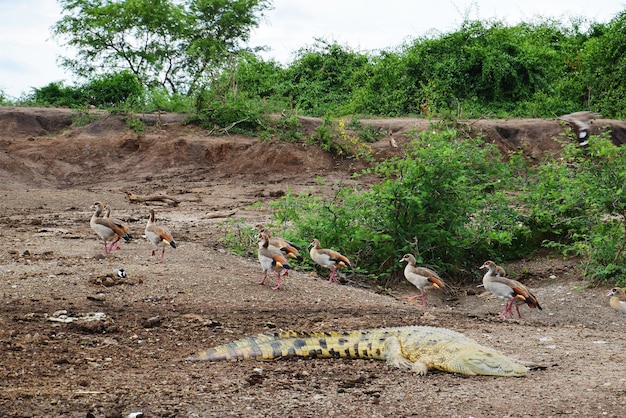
[395, 357]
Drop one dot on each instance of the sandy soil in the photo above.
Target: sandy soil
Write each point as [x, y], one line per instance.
[76, 341]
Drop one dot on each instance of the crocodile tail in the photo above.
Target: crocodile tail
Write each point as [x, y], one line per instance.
[356, 344]
[247, 348]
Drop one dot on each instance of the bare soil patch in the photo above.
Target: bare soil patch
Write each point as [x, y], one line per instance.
[77, 340]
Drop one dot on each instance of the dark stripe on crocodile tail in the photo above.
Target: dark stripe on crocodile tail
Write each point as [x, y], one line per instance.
[233, 351]
[277, 349]
[241, 349]
[314, 352]
[362, 349]
[255, 350]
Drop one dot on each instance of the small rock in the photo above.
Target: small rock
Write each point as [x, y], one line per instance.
[108, 282]
[98, 297]
[153, 322]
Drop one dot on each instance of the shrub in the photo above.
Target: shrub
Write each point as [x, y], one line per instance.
[579, 200]
[444, 201]
[113, 89]
[57, 94]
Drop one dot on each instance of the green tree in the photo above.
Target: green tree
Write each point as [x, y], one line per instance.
[163, 42]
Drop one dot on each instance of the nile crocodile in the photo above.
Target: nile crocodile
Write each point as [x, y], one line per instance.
[414, 348]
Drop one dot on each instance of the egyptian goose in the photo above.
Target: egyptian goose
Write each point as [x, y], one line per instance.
[159, 236]
[618, 300]
[271, 258]
[107, 215]
[328, 258]
[107, 228]
[288, 248]
[500, 271]
[581, 122]
[508, 289]
[421, 277]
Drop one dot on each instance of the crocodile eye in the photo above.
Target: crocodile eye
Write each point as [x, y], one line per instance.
[481, 358]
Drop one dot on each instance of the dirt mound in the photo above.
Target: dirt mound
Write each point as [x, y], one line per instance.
[41, 150]
[27, 122]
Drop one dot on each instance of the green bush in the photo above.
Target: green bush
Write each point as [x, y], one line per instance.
[159, 98]
[57, 94]
[3, 98]
[604, 67]
[115, 89]
[107, 90]
[322, 78]
[444, 201]
[334, 135]
[455, 201]
[234, 113]
[239, 238]
[578, 200]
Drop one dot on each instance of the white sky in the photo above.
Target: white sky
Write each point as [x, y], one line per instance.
[28, 55]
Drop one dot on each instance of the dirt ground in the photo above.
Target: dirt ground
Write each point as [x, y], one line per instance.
[76, 341]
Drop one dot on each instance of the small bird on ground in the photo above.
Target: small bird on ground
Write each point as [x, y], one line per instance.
[107, 229]
[288, 248]
[508, 289]
[328, 258]
[421, 277]
[618, 300]
[271, 258]
[159, 236]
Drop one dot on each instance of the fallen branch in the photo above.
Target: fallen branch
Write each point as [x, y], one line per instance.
[220, 214]
[133, 198]
[226, 129]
